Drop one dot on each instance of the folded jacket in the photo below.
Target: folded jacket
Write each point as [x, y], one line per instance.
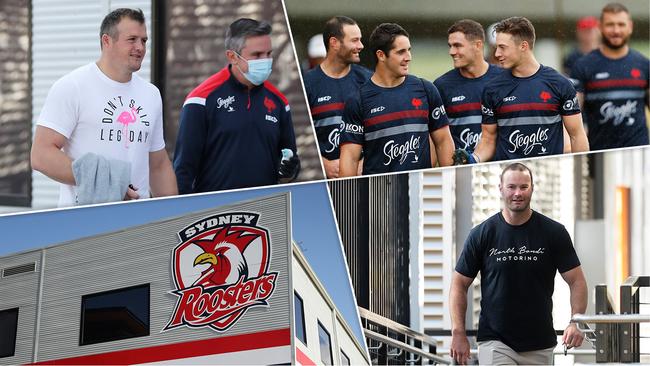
[100, 179]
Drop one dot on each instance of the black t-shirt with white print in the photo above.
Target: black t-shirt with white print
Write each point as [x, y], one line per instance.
[517, 265]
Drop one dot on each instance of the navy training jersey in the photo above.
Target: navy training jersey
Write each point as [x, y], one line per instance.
[517, 265]
[326, 97]
[462, 99]
[528, 112]
[393, 124]
[615, 98]
[231, 137]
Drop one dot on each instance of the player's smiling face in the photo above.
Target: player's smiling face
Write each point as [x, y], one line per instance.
[616, 29]
[508, 51]
[399, 57]
[129, 48]
[516, 190]
[463, 52]
[351, 44]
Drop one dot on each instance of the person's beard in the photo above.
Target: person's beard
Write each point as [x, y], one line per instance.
[608, 44]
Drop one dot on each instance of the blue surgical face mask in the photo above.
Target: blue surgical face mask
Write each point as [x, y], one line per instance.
[258, 70]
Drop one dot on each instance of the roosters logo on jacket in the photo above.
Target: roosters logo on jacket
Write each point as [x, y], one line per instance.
[221, 270]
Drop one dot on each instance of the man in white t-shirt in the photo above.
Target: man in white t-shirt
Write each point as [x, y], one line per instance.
[105, 109]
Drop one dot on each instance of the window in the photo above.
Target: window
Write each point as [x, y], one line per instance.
[300, 318]
[8, 330]
[345, 360]
[112, 315]
[325, 345]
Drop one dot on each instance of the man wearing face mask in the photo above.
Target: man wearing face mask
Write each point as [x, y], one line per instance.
[235, 127]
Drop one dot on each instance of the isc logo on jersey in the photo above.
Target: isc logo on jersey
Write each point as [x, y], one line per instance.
[324, 99]
[377, 109]
[459, 98]
[509, 99]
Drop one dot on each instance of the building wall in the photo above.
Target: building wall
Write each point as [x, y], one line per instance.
[318, 307]
[15, 103]
[130, 257]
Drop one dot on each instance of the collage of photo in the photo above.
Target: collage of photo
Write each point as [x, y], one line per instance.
[301, 182]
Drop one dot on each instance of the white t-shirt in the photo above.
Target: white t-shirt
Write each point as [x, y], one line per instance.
[116, 120]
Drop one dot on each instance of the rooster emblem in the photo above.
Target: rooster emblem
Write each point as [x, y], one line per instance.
[221, 270]
[417, 103]
[224, 258]
[545, 96]
[268, 103]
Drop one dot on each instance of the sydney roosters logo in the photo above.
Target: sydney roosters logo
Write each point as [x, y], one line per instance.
[268, 103]
[220, 270]
[545, 96]
[417, 103]
[636, 73]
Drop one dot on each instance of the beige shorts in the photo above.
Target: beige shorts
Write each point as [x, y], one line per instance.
[497, 353]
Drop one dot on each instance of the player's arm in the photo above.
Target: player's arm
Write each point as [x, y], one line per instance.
[575, 278]
[48, 158]
[161, 175]
[576, 131]
[444, 146]
[487, 145]
[459, 349]
[192, 133]
[349, 160]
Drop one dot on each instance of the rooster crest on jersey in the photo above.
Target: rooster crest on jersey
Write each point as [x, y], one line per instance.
[221, 270]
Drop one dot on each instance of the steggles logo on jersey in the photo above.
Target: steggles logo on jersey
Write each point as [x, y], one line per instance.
[545, 96]
[469, 138]
[394, 151]
[417, 103]
[516, 253]
[527, 143]
[226, 103]
[636, 73]
[334, 137]
[126, 113]
[618, 114]
[220, 270]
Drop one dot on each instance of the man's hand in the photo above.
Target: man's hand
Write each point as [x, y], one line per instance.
[289, 167]
[331, 168]
[459, 349]
[572, 337]
[462, 157]
[131, 193]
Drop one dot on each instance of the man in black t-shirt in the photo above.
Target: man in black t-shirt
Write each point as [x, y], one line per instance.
[517, 251]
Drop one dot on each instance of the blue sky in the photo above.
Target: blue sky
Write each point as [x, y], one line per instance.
[313, 226]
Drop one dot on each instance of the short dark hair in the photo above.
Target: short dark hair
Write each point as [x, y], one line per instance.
[613, 8]
[520, 28]
[383, 36]
[243, 28]
[112, 19]
[472, 30]
[516, 167]
[334, 28]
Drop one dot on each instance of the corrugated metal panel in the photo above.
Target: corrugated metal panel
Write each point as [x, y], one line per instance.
[65, 35]
[432, 249]
[389, 247]
[142, 255]
[21, 291]
[373, 218]
[350, 201]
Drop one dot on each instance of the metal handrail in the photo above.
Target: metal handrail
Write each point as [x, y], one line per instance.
[407, 347]
[610, 318]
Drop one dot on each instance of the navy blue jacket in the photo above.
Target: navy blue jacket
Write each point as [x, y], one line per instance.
[231, 137]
